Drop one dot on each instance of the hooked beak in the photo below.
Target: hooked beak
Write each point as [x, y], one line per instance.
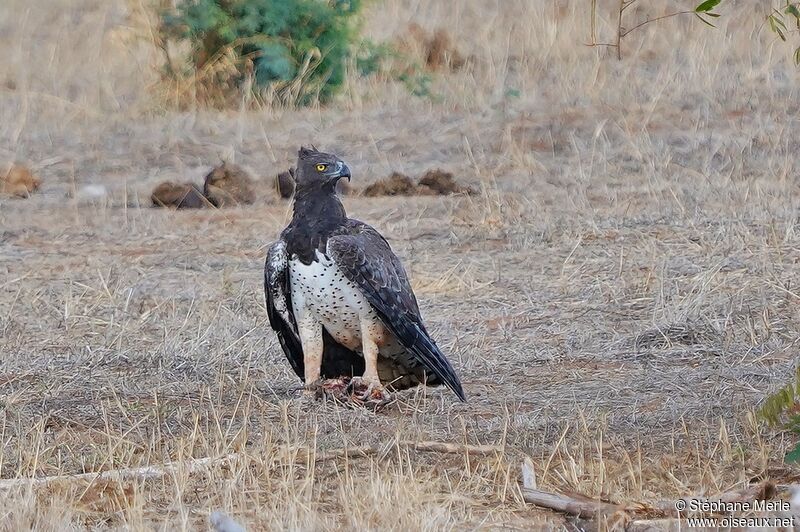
[342, 170]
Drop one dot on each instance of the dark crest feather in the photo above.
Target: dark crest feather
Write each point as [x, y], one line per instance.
[306, 152]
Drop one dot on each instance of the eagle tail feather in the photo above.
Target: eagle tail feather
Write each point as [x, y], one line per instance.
[429, 353]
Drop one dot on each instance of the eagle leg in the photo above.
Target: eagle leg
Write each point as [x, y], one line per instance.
[310, 332]
[371, 333]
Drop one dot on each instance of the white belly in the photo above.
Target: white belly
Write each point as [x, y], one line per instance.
[320, 289]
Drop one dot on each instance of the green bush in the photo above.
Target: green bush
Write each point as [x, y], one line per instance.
[297, 48]
[782, 409]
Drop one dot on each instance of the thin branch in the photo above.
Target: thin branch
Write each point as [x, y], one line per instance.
[622, 7]
[146, 472]
[429, 446]
[586, 507]
[571, 505]
[197, 464]
[626, 4]
[648, 21]
[609, 44]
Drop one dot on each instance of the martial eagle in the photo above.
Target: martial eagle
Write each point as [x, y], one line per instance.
[339, 299]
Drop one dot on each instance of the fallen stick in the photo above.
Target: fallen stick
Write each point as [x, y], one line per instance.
[196, 464]
[145, 472]
[572, 505]
[585, 507]
[578, 505]
[430, 446]
[452, 448]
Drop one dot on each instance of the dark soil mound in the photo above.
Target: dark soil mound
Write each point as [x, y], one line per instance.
[229, 185]
[178, 196]
[18, 181]
[396, 184]
[443, 183]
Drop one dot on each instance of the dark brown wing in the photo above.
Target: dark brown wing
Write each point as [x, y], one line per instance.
[279, 305]
[337, 360]
[365, 258]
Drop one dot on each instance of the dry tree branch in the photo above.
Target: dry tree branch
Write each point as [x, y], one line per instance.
[586, 507]
[429, 446]
[145, 472]
[577, 505]
[569, 504]
[194, 465]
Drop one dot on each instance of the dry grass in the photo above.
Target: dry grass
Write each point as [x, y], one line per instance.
[618, 298]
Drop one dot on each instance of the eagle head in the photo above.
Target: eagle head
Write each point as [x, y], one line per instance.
[318, 169]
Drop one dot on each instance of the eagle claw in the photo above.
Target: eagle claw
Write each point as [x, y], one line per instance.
[373, 390]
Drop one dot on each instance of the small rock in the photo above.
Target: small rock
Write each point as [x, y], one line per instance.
[730, 264]
[682, 266]
[92, 193]
[221, 522]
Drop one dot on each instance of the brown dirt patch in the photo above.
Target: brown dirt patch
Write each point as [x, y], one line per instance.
[443, 183]
[442, 52]
[436, 47]
[433, 183]
[396, 184]
[18, 181]
[229, 184]
[178, 196]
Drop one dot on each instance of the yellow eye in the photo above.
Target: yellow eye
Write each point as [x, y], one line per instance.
[321, 167]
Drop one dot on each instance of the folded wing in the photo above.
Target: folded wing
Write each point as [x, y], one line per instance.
[365, 258]
[279, 305]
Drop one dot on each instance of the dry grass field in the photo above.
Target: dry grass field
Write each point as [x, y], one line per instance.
[618, 299]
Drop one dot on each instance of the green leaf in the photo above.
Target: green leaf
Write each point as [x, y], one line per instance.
[794, 454]
[706, 6]
[775, 25]
[792, 9]
[704, 21]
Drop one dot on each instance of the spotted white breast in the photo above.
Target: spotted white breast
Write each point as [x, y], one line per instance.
[321, 289]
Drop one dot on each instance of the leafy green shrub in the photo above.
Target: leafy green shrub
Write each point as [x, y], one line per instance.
[296, 48]
[776, 19]
[782, 409]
